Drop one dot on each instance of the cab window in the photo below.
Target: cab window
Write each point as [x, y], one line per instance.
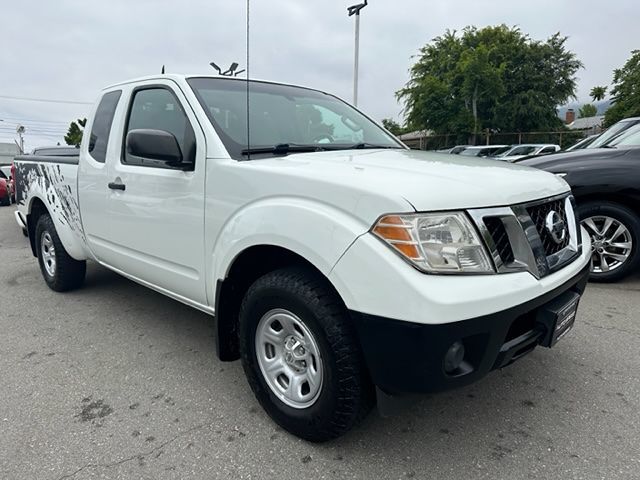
[99, 136]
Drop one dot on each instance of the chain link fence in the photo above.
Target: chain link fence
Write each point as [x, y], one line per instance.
[564, 138]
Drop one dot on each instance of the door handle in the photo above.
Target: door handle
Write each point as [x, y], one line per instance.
[116, 186]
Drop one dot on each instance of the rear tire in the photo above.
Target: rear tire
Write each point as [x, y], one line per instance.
[60, 271]
[317, 317]
[615, 232]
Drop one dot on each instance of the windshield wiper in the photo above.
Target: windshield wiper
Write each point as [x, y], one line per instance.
[363, 145]
[283, 148]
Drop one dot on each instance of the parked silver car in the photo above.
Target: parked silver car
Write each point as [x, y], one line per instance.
[516, 152]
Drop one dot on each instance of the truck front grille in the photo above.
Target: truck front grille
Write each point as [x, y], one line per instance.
[538, 214]
[540, 237]
[500, 238]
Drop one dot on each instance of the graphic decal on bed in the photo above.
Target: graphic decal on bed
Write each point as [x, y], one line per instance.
[49, 179]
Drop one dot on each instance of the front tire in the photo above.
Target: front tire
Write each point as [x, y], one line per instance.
[301, 356]
[60, 271]
[615, 232]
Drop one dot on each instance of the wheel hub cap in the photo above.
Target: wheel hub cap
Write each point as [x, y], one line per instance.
[611, 243]
[295, 354]
[289, 358]
[48, 250]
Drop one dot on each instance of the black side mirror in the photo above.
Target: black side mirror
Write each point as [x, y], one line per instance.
[155, 145]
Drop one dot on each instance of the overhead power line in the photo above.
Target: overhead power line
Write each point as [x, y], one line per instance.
[46, 100]
[52, 135]
[7, 119]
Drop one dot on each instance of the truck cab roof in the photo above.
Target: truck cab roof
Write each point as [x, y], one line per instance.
[179, 78]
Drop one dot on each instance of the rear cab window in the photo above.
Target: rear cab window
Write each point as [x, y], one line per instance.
[101, 127]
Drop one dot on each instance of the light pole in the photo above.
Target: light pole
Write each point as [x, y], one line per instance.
[20, 131]
[355, 10]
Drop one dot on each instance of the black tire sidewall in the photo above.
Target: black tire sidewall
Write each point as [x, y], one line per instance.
[70, 273]
[347, 392]
[626, 217]
[45, 225]
[268, 299]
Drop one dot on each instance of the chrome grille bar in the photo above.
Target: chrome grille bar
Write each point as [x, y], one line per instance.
[527, 250]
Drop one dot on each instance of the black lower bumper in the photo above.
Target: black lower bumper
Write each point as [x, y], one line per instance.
[406, 357]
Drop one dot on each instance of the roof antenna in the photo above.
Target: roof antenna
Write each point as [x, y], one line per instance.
[162, 70]
[247, 79]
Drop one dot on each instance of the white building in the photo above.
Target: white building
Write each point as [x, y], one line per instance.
[7, 152]
[587, 123]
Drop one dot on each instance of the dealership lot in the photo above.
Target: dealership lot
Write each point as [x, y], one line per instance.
[117, 381]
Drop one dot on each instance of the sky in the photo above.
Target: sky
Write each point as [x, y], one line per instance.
[69, 50]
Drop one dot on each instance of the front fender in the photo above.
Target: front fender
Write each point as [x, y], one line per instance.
[318, 232]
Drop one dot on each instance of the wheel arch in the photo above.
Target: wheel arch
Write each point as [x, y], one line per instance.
[623, 203]
[36, 209]
[71, 240]
[249, 265]
[626, 201]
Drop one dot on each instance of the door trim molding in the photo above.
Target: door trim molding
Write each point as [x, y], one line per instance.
[203, 308]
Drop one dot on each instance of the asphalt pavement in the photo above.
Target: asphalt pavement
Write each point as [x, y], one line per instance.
[116, 381]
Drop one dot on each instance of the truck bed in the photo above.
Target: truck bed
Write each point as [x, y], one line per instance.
[53, 181]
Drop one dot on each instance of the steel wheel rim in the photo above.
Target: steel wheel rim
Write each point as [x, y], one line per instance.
[48, 250]
[611, 243]
[289, 358]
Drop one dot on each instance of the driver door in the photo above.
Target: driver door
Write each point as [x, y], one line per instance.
[156, 211]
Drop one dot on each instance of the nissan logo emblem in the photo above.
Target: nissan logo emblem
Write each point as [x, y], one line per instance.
[555, 226]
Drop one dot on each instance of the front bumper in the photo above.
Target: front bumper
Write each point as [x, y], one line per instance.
[406, 357]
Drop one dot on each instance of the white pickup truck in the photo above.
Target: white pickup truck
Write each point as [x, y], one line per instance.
[338, 264]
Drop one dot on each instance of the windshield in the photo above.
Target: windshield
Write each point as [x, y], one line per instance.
[501, 151]
[612, 132]
[471, 152]
[583, 143]
[284, 115]
[524, 150]
[629, 138]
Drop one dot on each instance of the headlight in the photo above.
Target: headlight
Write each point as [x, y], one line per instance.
[435, 242]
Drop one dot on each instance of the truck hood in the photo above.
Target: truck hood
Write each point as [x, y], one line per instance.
[426, 180]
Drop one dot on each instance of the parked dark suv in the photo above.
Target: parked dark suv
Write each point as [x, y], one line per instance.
[606, 184]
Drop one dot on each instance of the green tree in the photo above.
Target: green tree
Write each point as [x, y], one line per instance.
[74, 134]
[481, 82]
[393, 126]
[625, 92]
[495, 77]
[588, 110]
[598, 93]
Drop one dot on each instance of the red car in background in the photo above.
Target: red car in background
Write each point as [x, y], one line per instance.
[7, 191]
